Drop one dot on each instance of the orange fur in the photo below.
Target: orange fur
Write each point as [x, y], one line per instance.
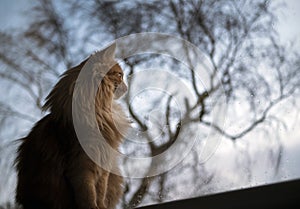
[53, 169]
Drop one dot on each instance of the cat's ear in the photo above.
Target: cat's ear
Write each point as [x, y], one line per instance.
[105, 56]
[109, 52]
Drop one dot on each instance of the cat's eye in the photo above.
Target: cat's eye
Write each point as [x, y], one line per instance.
[120, 75]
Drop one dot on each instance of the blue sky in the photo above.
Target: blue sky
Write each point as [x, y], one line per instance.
[12, 15]
[12, 12]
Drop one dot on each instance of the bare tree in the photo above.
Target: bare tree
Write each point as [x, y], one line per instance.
[237, 37]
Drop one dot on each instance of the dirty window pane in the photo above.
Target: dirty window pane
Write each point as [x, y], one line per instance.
[213, 88]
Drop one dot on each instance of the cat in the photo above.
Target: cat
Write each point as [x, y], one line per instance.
[53, 169]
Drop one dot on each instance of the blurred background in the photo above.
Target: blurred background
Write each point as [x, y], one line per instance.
[253, 48]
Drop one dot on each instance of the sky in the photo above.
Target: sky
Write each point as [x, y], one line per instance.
[12, 15]
[11, 12]
[289, 26]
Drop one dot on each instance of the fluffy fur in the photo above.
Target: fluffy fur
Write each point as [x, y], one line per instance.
[53, 169]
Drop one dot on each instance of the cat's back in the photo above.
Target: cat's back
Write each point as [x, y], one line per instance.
[41, 162]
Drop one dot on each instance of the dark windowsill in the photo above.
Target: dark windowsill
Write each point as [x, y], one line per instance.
[285, 195]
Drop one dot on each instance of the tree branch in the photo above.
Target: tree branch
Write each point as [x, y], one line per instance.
[258, 121]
